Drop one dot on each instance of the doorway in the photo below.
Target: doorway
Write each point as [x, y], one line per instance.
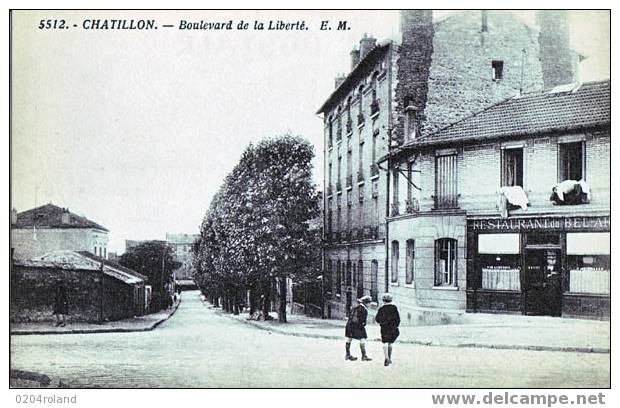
[542, 282]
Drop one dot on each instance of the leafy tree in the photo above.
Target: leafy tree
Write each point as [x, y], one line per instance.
[256, 231]
[148, 259]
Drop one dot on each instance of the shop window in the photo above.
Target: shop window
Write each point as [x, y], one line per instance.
[512, 167]
[445, 262]
[446, 182]
[589, 262]
[374, 278]
[410, 262]
[394, 270]
[571, 161]
[499, 259]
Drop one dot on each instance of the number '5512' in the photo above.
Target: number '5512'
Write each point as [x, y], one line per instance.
[51, 24]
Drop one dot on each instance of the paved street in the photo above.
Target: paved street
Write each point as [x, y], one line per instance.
[199, 348]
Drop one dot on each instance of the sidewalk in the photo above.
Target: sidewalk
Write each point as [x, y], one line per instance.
[539, 333]
[136, 324]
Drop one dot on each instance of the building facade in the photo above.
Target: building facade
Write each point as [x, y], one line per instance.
[183, 245]
[48, 228]
[438, 73]
[462, 249]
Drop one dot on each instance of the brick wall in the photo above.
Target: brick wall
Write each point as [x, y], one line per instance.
[33, 292]
[461, 81]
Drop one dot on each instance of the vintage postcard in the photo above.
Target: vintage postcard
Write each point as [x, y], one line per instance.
[311, 199]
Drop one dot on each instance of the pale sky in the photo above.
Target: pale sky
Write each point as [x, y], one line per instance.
[137, 129]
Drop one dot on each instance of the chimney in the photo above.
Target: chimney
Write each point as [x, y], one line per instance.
[366, 45]
[64, 217]
[13, 216]
[355, 58]
[339, 80]
[413, 71]
[556, 56]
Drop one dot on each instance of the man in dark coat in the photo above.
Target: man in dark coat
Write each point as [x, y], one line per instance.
[389, 319]
[61, 303]
[356, 328]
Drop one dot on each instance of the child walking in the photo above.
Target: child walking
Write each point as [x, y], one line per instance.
[389, 319]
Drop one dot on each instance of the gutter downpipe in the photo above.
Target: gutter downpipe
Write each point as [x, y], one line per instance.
[387, 176]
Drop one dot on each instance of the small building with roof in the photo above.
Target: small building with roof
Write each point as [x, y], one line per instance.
[48, 228]
[98, 290]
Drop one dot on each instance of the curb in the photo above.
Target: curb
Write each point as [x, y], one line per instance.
[150, 327]
[596, 350]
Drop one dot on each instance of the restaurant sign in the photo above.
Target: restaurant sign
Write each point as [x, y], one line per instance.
[542, 223]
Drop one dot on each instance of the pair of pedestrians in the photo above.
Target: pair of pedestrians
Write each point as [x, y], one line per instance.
[387, 317]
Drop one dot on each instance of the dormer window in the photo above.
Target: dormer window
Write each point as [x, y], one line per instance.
[498, 70]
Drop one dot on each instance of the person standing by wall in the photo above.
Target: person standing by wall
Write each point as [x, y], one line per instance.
[389, 320]
[356, 328]
[61, 303]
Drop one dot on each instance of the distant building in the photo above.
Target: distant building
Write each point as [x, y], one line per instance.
[183, 253]
[97, 290]
[51, 228]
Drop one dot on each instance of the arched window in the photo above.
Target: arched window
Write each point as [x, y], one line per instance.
[410, 262]
[445, 262]
[394, 269]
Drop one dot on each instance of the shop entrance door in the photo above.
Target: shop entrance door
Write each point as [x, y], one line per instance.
[542, 286]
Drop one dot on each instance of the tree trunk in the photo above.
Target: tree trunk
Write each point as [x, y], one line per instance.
[236, 300]
[282, 301]
[252, 299]
[266, 298]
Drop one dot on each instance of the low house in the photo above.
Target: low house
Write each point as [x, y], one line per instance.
[98, 290]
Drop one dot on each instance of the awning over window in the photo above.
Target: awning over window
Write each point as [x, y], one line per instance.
[498, 244]
[588, 243]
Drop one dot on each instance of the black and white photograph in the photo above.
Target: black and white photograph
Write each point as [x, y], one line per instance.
[399, 198]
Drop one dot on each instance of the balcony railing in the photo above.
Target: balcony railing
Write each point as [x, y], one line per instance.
[339, 133]
[446, 202]
[374, 170]
[374, 106]
[394, 210]
[412, 206]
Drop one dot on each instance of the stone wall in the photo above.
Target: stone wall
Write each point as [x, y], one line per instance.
[33, 292]
[461, 76]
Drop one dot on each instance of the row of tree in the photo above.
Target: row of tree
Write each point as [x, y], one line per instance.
[261, 228]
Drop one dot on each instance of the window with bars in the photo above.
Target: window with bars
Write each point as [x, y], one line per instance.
[360, 278]
[446, 195]
[445, 262]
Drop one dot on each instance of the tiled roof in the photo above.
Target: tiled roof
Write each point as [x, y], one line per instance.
[50, 216]
[562, 109]
[82, 260]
